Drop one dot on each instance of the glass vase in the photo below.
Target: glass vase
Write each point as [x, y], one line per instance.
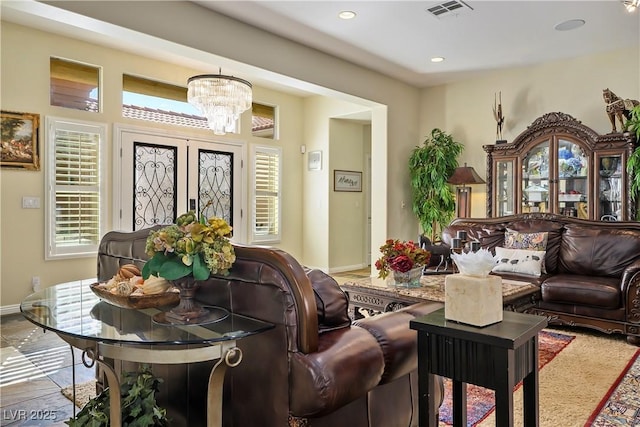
[408, 279]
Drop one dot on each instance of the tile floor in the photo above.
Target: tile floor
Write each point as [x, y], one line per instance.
[35, 366]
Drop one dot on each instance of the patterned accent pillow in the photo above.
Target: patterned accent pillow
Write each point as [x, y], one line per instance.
[530, 241]
[520, 261]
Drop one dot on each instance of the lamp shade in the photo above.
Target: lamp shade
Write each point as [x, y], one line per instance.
[221, 99]
[465, 175]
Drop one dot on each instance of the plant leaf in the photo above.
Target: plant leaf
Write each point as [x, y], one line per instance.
[200, 269]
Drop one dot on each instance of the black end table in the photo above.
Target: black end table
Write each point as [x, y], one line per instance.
[497, 357]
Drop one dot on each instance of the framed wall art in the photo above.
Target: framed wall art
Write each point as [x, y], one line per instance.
[315, 161]
[347, 180]
[19, 142]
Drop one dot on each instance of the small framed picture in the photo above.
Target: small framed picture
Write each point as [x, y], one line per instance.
[347, 180]
[20, 145]
[315, 161]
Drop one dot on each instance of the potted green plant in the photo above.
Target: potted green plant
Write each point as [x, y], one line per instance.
[431, 165]
[633, 164]
[139, 407]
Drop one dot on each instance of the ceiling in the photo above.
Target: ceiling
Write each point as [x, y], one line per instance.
[398, 38]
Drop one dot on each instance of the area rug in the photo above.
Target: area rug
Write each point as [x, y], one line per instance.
[84, 392]
[621, 405]
[481, 401]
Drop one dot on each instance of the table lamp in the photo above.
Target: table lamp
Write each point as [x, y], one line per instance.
[462, 177]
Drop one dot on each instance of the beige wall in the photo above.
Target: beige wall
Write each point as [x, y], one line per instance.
[347, 213]
[25, 88]
[214, 37]
[338, 143]
[572, 86]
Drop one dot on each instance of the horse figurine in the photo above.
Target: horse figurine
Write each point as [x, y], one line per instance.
[618, 108]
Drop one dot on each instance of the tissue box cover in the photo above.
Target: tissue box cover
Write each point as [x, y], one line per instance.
[473, 300]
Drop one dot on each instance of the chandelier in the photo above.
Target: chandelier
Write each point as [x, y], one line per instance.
[221, 99]
[631, 5]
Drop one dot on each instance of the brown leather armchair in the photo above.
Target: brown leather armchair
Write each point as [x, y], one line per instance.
[314, 368]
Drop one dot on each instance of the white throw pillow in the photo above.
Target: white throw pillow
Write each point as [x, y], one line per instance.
[520, 261]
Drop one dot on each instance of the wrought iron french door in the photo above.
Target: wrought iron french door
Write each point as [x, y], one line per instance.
[163, 177]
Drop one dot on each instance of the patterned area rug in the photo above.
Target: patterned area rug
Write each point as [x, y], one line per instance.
[621, 405]
[481, 401]
[84, 392]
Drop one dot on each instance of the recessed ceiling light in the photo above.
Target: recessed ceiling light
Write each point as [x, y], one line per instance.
[347, 14]
[571, 24]
[437, 59]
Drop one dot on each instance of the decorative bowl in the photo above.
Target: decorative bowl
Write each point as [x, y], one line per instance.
[137, 301]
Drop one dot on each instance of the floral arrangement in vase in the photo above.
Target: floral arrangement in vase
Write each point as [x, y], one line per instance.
[190, 247]
[399, 256]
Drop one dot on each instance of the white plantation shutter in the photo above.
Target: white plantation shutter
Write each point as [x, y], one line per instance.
[76, 197]
[266, 201]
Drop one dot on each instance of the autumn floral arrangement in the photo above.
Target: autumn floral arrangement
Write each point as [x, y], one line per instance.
[190, 247]
[400, 256]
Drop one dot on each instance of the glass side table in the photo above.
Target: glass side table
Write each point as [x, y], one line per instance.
[104, 331]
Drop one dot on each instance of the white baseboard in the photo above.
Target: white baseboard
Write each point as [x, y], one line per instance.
[344, 268]
[9, 309]
[340, 269]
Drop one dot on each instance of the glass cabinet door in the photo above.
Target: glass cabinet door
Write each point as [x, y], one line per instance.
[535, 179]
[573, 180]
[504, 194]
[610, 189]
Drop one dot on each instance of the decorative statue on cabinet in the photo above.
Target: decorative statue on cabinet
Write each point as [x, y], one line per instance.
[618, 108]
[497, 114]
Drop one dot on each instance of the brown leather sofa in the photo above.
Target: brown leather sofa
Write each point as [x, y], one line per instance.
[315, 368]
[593, 268]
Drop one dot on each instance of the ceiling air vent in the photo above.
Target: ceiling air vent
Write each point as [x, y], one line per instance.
[449, 8]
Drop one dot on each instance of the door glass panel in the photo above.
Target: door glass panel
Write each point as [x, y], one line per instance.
[505, 194]
[573, 183]
[610, 188]
[215, 189]
[154, 183]
[535, 179]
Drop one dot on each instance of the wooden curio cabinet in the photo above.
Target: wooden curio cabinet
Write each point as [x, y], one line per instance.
[561, 166]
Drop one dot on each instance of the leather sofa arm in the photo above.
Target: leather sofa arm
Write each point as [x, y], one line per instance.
[300, 287]
[630, 287]
[348, 364]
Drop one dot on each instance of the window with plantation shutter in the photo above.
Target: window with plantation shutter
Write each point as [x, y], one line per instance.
[265, 223]
[76, 197]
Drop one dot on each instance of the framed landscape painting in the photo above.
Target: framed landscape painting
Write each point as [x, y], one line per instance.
[20, 145]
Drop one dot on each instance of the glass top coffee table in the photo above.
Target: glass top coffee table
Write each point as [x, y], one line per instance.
[105, 331]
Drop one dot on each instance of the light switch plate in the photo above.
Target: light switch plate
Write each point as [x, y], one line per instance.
[30, 202]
